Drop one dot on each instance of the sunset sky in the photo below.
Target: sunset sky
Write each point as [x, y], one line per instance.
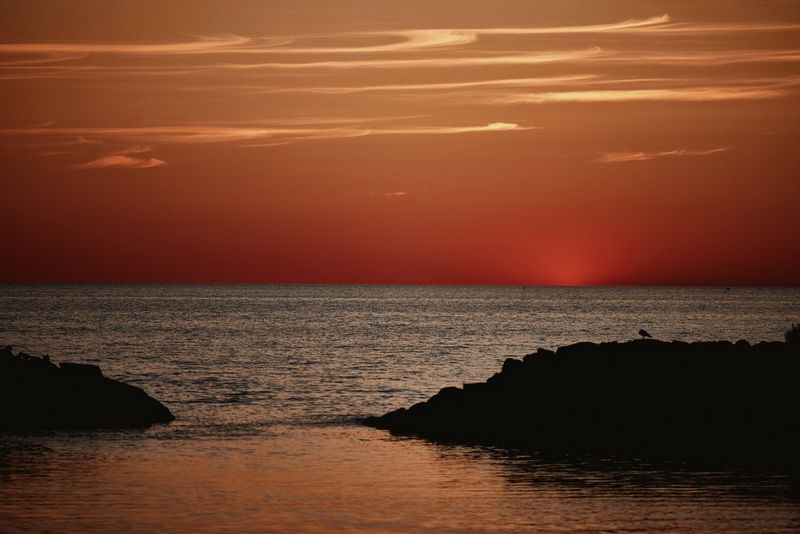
[358, 141]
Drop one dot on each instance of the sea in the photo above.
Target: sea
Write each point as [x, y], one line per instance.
[269, 384]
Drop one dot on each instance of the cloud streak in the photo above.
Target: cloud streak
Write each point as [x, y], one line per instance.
[593, 56]
[567, 81]
[203, 45]
[687, 94]
[694, 28]
[409, 40]
[138, 149]
[510, 82]
[702, 58]
[529, 58]
[403, 66]
[120, 161]
[68, 60]
[624, 157]
[205, 134]
[444, 130]
[406, 39]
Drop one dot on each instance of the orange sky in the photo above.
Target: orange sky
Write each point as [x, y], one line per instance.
[354, 141]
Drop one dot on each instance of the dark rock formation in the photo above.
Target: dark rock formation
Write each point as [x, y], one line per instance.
[643, 397]
[36, 394]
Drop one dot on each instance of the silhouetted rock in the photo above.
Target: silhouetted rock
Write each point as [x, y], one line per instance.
[642, 397]
[37, 394]
[793, 334]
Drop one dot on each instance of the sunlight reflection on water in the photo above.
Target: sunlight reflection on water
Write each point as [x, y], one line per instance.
[268, 381]
[352, 478]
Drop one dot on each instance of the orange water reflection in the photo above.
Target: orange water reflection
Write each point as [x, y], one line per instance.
[351, 479]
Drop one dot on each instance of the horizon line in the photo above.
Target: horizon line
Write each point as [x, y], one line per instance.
[406, 284]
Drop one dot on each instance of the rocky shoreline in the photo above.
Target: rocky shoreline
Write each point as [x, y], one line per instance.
[645, 397]
[37, 394]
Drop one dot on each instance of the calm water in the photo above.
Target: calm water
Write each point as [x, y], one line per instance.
[268, 381]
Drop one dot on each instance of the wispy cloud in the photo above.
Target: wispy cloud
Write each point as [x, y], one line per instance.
[203, 45]
[662, 24]
[68, 60]
[509, 82]
[567, 81]
[623, 157]
[676, 28]
[528, 58]
[137, 149]
[678, 66]
[241, 68]
[592, 56]
[409, 40]
[390, 194]
[202, 134]
[124, 158]
[120, 161]
[51, 58]
[406, 39]
[687, 94]
[287, 136]
[702, 58]
[401, 194]
[443, 130]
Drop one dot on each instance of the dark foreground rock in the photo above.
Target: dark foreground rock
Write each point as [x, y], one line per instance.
[36, 394]
[643, 397]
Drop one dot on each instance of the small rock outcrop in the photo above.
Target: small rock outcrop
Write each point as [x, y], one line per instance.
[36, 394]
[645, 397]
